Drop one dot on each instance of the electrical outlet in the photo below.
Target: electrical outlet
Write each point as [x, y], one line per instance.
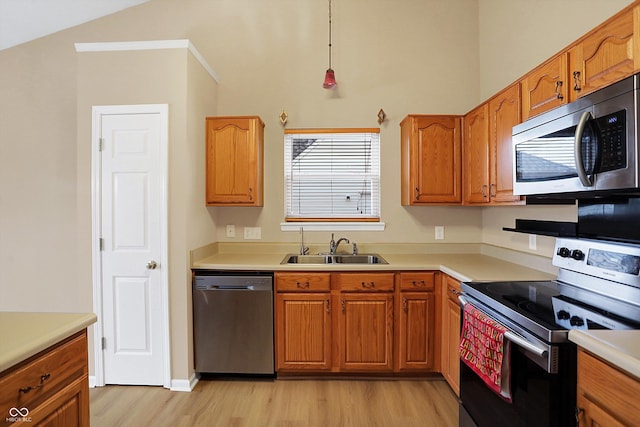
[231, 230]
[533, 244]
[253, 233]
[439, 231]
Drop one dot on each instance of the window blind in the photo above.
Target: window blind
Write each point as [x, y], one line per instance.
[332, 175]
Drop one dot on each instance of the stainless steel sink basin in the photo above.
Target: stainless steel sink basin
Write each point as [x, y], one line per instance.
[334, 259]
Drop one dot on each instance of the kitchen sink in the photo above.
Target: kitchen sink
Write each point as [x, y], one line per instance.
[334, 259]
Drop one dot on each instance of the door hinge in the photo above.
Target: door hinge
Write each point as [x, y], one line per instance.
[100, 144]
[101, 242]
[104, 343]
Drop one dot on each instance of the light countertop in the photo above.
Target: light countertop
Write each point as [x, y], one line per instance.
[464, 267]
[620, 348]
[23, 335]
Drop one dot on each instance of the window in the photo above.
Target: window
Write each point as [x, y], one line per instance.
[332, 175]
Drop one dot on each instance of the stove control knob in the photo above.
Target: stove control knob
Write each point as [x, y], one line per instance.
[576, 321]
[563, 315]
[577, 254]
[564, 252]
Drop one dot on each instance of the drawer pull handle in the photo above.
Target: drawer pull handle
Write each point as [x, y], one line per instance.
[455, 292]
[419, 283]
[368, 285]
[43, 378]
[405, 305]
[303, 285]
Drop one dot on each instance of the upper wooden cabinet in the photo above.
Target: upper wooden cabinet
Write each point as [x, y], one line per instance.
[476, 155]
[431, 160]
[504, 114]
[605, 55]
[545, 87]
[235, 161]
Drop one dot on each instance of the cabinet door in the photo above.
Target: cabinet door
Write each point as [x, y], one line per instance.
[366, 332]
[450, 354]
[303, 331]
[606, 395]
[68, 408]
[234, 161]
[545, 87]
[476, 156]
[504, 114]
[604, 56]
[416, 331]
[431, 160]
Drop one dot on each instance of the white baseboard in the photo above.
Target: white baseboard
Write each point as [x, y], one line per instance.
[176, 385]
[184, 385]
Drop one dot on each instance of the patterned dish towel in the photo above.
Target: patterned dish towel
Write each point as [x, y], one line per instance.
[484, 349]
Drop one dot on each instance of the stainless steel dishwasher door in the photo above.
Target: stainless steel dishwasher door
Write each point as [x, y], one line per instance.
[233, 324]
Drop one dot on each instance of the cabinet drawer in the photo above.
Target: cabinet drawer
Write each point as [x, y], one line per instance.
[30, 384]
[368, 282]
[302, 282]
[422, 281]
[453, 289]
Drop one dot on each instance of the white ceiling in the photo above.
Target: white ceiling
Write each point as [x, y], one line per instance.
[25, 20]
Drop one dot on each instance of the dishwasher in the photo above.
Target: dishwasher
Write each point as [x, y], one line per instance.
[233, 323]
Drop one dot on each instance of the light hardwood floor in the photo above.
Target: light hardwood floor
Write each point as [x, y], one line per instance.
[281, 403]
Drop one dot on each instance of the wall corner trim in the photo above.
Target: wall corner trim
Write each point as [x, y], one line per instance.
[148, 45]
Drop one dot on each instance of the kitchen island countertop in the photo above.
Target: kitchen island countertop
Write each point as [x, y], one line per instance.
[24, 334]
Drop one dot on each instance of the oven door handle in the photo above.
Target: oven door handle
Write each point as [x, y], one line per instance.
[513, 337]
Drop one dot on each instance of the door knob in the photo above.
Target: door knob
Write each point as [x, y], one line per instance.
[151, 265]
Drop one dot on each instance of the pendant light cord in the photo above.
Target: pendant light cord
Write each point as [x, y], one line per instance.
[329, 34]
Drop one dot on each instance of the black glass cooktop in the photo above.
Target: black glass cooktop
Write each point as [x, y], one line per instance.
[527, 303]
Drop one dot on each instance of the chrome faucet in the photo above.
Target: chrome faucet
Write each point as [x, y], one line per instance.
[333, 245]
[303, 249]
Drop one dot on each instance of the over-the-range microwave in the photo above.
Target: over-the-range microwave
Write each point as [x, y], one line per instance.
[585, 148]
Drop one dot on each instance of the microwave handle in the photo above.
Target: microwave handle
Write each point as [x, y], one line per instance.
[577, 149]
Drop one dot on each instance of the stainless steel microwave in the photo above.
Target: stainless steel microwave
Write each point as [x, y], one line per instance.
[581, 149]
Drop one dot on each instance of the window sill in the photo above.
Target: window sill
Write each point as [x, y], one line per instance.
[332, 226]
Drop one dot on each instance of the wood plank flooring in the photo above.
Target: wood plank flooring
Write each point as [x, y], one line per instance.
[279, 403]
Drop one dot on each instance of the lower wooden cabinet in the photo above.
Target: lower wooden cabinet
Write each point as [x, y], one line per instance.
[606, 395]
[303, 331]
[450, 354]
[50, 389]
[365, 340]
[415, 321]
[370, 322]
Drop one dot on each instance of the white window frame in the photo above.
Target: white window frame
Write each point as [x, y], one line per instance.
[370, 222]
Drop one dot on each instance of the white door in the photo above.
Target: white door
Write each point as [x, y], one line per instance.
[131, 228]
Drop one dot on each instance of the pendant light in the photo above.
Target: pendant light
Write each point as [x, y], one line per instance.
[330, 76]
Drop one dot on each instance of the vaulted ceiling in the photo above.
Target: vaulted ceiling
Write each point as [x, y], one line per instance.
[25, 20]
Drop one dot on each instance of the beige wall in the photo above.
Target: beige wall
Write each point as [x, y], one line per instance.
[407, 56]
[176, 78]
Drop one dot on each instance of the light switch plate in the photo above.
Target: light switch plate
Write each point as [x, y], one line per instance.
[253, 233]
[533, 244]
[439, 232]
